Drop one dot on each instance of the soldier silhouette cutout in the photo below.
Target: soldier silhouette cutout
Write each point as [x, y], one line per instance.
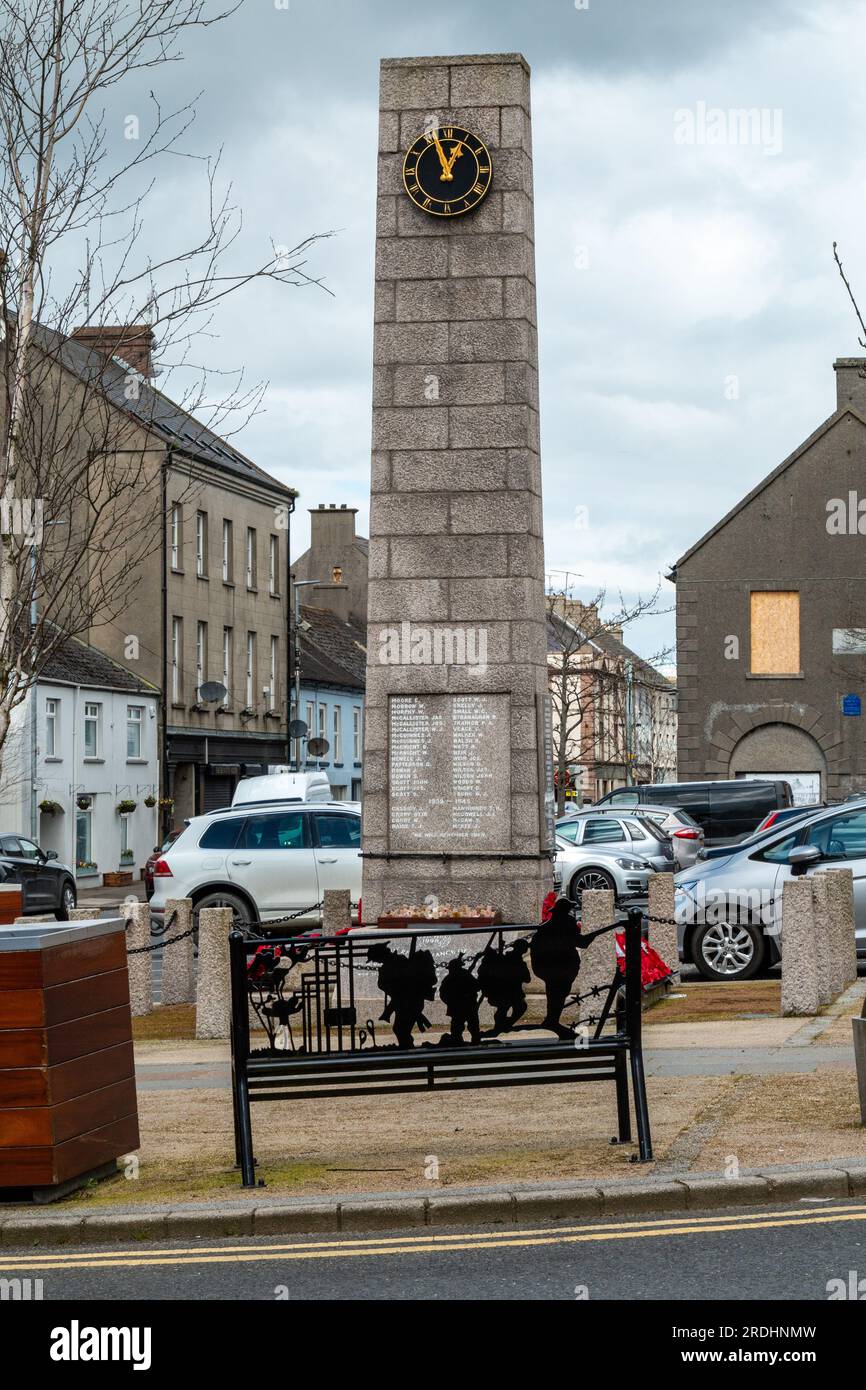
[460, 993]
[407, 983]
[555, 955]
[501, 977]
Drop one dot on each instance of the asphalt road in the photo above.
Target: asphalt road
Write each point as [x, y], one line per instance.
[774, 1253]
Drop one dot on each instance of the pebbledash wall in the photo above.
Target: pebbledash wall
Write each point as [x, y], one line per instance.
[65, 772]
[455, 523]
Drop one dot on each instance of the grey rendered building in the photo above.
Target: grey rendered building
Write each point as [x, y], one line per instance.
[771, 619]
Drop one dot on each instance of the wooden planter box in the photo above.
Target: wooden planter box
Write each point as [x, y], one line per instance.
[469, 923]
[67, 1076]
[121, 878]
[11, 905]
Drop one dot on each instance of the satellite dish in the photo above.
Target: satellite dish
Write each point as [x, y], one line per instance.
[212, 692]
[297, 729]
[318, 747]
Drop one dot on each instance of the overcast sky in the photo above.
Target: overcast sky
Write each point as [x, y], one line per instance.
[689, 308]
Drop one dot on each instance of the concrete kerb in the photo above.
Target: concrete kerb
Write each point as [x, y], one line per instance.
[502, 1205]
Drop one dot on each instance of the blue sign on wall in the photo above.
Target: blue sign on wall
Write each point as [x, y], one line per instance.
[851, 704]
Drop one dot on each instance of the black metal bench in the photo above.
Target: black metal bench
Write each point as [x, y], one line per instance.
[335, 1061]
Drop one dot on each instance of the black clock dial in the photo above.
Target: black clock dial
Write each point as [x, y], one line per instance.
[447, 171]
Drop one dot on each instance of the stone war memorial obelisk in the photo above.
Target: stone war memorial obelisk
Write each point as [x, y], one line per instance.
[457, 792]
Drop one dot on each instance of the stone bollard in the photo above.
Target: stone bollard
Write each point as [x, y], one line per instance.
[598, 961]
[178, 979]
[91, 914]
[663, 936]
[137, 916]
[336, 910]
[213, 1008]
[799, 957]
[43, 917]
[841, 894]
[821, 915]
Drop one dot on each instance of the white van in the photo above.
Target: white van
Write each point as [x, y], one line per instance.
[284, 786]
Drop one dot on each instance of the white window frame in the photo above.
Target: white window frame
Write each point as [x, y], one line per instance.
[201, 544]
[84, 818]
[52, 727]
[93, 720]
[228, 547]
[337, 724]
[135, 720]
[274, 566]
[200, 656]
[176, 660]
[251, 671]
[322, 721]
[228, 661]
[274, 698]
[176, 535]
[357, 740]
[252, 545]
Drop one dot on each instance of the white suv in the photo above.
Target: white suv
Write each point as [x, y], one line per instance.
[263, 860]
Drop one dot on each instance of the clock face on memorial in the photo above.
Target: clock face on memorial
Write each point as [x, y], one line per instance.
[447, 171]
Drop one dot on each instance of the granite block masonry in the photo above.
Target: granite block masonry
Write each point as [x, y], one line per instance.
[457, 797]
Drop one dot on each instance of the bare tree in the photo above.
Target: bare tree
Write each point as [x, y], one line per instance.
[80, 473]
[596, 693]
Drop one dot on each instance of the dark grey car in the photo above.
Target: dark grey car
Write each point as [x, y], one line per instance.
[46, 884]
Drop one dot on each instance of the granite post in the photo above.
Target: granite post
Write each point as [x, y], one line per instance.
[821, 915]
[140, 965]
[841, 890]
[336, 910]
[799, 956]
[663, 932]
[457, 767]
[598, 961]
[213, 1007]
[178, 978]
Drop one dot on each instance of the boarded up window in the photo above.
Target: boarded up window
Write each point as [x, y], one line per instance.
[775, 633]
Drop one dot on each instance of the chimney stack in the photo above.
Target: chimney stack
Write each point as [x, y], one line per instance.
[850, 383]
[132, 343]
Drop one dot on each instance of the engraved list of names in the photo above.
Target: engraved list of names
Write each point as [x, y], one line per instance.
[449, 772]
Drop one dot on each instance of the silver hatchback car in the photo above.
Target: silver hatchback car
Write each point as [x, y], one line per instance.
[620, 832]
[728, 907]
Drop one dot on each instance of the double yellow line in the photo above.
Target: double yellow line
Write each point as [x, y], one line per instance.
[414, 1244]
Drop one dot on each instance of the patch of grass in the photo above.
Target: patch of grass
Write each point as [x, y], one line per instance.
[168, 1022]
[707, 1003]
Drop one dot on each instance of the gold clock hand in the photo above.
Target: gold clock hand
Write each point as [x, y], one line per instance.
[446, 171]
[455, 154]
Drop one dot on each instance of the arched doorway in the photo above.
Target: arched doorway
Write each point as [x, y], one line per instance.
[786, 751]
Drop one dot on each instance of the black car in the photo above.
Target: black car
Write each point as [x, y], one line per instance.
[46, 884]
[727, 811]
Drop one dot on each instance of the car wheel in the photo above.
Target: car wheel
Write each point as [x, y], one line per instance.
[589, 879]
[241, 910]
[67, 902]
[728, 950]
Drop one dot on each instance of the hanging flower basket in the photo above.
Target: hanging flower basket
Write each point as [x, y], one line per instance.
[84, 803]
[166, 803]
[51, 808]
[126, 808]
[150, 802]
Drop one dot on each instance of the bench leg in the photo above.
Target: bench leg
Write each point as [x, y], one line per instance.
[641, 1109]
[244, 1132]
[623, 1114]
